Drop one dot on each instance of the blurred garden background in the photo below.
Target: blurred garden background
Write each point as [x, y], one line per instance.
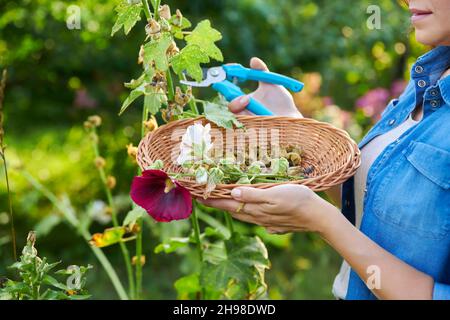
[58, 77]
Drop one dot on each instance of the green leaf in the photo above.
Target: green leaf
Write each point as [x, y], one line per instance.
[155, 51]
[220, 115]
[49, 280]
[133, 215]
[127, 16]
[153, 101]
[189, 59]
[172, 245]
[188, 285]
[79, 296]
[134, 83]
[205, 37]
[108, 237]
[242, 262]
[177, 27]
[134, 94]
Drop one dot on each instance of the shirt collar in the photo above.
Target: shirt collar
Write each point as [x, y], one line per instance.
[444, 85]
[432, 64]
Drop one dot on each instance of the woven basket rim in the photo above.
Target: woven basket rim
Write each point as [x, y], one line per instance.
[344, 171]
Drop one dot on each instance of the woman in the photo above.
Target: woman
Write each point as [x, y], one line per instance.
[394, 232]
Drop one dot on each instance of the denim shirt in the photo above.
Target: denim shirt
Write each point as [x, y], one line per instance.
[407, 196]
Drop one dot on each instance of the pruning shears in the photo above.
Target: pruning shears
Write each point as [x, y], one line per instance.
[223, 79]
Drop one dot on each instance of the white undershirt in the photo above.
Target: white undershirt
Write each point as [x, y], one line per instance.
[369, 154]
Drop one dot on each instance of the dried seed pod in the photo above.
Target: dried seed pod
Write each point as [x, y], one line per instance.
[141, 55]
[182, 98]
[111, 182]
[173, 49]
[295, 171]
[87, 125]
[152, 28]
[294, 158]
[164, 12]
[178, 21]
[95, 120]
[100, 162]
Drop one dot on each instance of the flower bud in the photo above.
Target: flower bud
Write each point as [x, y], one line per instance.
[134, 260]
[108, 211]
[100, 162]
[132, 150]
[151, 124]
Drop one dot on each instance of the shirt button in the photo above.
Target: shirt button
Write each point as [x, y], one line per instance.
[433, 103]
[434, 92]
[422, 83]
[391, 122]
[418, 69]
[347, 203]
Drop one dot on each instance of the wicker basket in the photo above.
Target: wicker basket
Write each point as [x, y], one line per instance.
[329, 153]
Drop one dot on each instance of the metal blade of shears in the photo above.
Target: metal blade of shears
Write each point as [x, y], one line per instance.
[210, 76]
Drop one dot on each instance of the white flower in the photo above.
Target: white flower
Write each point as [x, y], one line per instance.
[195, 144]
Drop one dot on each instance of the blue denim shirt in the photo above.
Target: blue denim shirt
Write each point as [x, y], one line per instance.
[407, 197]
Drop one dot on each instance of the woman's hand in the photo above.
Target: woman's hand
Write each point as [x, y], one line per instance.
[281, 209]
[274, 97]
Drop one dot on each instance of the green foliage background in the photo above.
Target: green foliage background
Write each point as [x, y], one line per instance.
[50, 65]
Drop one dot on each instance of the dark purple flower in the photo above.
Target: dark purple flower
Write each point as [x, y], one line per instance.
[163, 198]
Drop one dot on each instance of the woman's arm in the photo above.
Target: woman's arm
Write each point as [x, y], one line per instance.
[290, 208]
[387, 276]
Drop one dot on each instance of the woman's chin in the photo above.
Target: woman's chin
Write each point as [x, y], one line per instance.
[432, 38]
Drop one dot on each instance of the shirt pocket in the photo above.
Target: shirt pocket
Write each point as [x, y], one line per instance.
[414, 194]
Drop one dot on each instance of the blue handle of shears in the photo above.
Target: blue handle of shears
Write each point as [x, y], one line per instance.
[237, 71]
[231, 91]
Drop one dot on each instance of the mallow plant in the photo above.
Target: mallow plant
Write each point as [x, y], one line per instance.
[232, 265]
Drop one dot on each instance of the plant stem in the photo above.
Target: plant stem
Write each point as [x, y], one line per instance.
[11, 216]
[2, 154]
[138, 260]
[196, 227]
[155, 5]
[229, 221]
[139, 222]
[109, 197]
[148, 15]
[72, 219]
[192, 102]
[171, 91]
